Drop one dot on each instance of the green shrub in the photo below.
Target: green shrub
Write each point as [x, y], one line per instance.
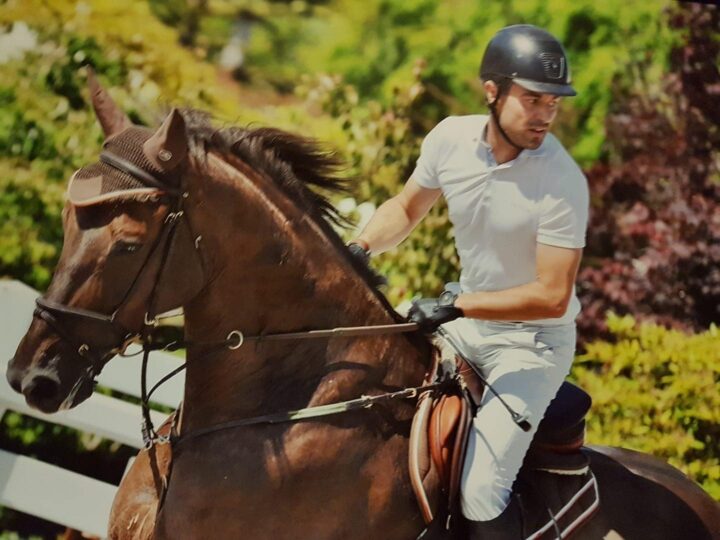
[381, 146]
[656, 390]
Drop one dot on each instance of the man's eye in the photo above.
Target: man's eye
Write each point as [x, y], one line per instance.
[122, 247]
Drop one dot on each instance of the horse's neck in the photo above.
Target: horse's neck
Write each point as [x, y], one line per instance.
[287, 276]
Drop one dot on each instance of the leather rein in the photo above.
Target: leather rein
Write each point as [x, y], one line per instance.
[98, 354]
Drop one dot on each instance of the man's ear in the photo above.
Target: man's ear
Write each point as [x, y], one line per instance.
[168, 146]
[491, 91]
[112, 119]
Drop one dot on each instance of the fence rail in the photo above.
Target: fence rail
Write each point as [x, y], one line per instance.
[50, 492]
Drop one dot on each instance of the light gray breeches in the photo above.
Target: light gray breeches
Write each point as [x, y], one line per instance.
[525, 364]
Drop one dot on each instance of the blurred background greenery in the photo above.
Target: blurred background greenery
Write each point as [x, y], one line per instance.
[372, 77]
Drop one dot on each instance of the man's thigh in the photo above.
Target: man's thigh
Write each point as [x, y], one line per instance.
[527, 379]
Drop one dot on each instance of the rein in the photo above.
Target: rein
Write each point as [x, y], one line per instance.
[236, 339]
[363, 402]
[49, 311]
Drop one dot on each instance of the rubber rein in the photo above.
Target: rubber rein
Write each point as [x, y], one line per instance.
[115, 338]
[236, 339]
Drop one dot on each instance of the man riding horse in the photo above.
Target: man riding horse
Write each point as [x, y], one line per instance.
[519, 205]
[290, 428]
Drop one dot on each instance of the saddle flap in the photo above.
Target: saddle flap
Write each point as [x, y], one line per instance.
[460, 446]
[438, 440]
[444, 421]
[423, 473]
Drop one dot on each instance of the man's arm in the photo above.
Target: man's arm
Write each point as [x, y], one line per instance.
[546, 297]
[393, 221]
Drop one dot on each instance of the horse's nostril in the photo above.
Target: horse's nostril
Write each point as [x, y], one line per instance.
[41, 390]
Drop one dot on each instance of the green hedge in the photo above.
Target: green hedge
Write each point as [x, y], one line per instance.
[656, 390]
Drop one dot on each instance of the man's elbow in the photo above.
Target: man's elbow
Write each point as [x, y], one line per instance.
[557, 304]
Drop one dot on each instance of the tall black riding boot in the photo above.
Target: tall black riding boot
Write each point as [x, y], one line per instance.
[507, 526]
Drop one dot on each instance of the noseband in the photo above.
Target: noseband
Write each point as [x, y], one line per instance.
[109, 336]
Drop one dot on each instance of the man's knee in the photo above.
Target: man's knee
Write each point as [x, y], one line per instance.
[482, 497]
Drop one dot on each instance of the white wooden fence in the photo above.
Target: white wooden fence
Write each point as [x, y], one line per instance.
[48, 491]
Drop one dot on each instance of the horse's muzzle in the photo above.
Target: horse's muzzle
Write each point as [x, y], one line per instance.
[14, 376]
[45, 388]
[41, 389]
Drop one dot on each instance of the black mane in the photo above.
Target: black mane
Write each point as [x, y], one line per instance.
[298, 165]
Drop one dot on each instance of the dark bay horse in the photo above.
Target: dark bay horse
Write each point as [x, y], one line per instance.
[224, 223]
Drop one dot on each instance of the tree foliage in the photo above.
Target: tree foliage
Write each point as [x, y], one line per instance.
[47, 128]
[382, 147]
[376, 44]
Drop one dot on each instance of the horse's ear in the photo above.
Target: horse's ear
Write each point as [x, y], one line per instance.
[168, 146]
[112, 119]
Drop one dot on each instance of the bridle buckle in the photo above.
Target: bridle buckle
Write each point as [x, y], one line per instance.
[238, 335]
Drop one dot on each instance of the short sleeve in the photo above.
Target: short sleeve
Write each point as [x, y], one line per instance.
[564, 211]
[426, 169]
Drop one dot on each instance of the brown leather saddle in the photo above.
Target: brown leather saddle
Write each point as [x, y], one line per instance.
[555, 479]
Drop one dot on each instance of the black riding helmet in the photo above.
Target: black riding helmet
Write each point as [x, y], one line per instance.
[530, 57]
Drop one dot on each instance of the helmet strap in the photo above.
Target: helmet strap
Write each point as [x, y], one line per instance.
[496, 117]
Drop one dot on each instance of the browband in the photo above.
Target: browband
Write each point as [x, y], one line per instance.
[133, 170]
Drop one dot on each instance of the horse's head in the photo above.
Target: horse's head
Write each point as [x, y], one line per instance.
[124, 227]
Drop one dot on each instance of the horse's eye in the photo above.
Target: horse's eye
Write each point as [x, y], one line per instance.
[122, 247]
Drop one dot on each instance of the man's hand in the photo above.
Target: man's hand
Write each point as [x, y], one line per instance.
[429, 313]
[361, 254]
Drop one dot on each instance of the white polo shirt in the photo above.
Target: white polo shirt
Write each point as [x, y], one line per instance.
[500, 212]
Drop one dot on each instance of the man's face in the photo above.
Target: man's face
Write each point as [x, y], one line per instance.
[526, 116]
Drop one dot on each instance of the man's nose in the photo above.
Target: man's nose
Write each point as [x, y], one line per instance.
[546, 115]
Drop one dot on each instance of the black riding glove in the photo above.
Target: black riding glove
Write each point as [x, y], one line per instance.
[360, 253]
[362, 256]
[429, 313]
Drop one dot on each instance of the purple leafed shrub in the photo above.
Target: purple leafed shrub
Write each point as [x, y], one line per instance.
[654, 235]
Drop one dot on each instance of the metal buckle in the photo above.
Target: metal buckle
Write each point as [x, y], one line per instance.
[126, 342]
[173, 216]
[368, 401]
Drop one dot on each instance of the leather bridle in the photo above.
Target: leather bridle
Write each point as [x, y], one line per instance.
[108, 335]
